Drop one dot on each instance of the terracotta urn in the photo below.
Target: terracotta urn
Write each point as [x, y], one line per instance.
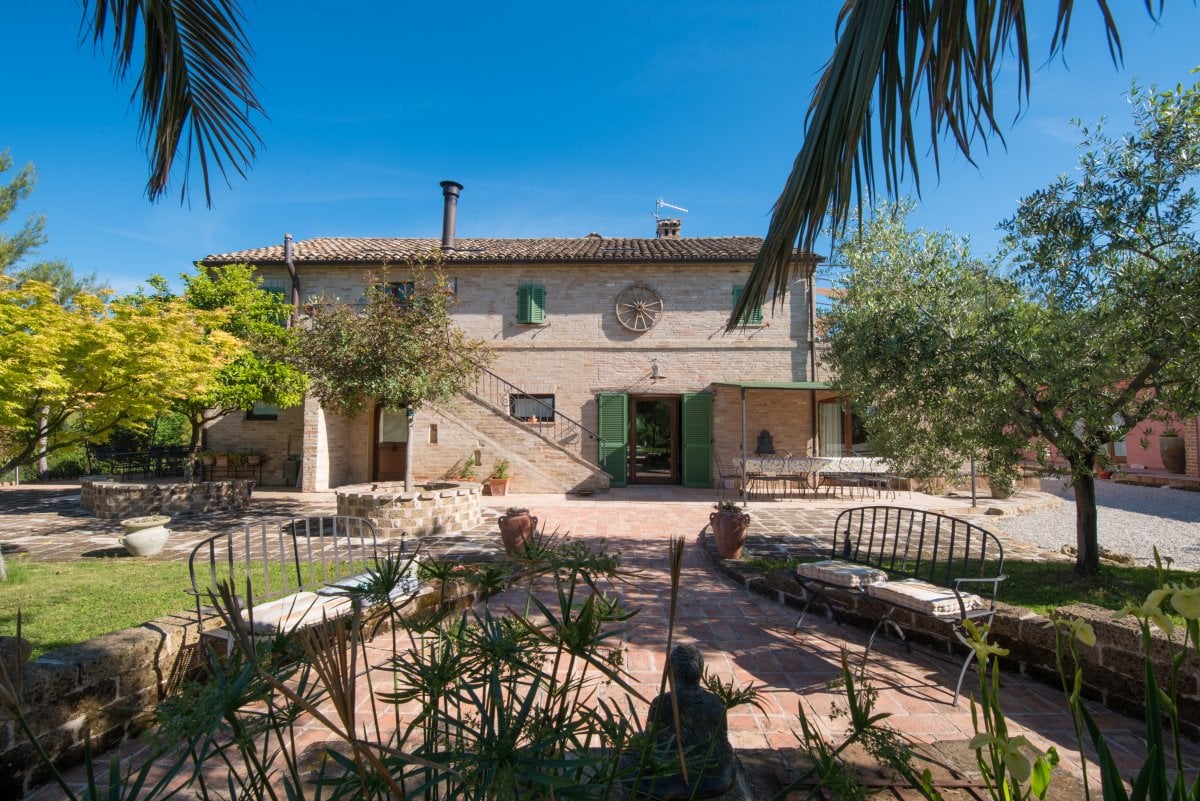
[145, 536]
[1174, 457]
[729, 530]
[517, 529]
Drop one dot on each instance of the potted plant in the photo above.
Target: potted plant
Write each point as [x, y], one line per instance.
[498, 481]
[1170, 448]
[254, 459]
[144, 536]
[207, 458]
[467, 471]
[516, 529]
[222, 459]
[729, 524]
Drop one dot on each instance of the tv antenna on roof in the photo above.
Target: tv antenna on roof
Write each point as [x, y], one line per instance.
[661, 204]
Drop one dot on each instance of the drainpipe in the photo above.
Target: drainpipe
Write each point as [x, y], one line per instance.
[291, 268]
[812, 359]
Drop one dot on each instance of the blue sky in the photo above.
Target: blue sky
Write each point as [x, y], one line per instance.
[558, 118]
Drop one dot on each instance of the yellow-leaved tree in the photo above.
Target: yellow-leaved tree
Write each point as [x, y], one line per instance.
[69, 374]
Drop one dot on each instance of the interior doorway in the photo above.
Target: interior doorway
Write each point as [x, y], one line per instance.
[654, 439]
[391, 444]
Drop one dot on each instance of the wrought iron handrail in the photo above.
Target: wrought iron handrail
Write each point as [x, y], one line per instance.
[550, 423]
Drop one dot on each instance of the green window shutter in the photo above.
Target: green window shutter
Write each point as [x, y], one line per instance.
[697, 439]
[614, 435]
[752, 316]
[531, 303]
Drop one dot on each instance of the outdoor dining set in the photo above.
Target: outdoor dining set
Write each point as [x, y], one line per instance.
[783, 475]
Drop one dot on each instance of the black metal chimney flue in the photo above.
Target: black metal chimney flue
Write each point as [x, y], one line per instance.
[450, 190]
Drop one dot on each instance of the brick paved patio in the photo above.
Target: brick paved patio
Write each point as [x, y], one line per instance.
[744, 636]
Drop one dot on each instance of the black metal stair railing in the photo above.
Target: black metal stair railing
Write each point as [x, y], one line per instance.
[549, 423]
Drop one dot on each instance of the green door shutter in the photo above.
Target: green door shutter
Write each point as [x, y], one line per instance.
[531, 303]
[697, 439]
[614, 435]
[753, 315]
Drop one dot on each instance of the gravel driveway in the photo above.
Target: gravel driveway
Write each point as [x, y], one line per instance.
[1132, 519]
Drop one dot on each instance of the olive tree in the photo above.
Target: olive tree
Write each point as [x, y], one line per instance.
[1087, 328]
[398, 348]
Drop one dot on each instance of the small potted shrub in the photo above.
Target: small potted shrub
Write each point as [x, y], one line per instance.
[207, 458]
[729, 524]
[467, 471]
[498, 481]
[516, 529]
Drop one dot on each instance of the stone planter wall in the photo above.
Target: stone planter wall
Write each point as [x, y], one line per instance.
[102, 691]
[105, 690]
[1113, 670]
[110, 499]
[430, 509]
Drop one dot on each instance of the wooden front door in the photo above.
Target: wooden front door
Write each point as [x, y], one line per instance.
[391, 444]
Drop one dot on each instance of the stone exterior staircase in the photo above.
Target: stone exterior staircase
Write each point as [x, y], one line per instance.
[545, 457]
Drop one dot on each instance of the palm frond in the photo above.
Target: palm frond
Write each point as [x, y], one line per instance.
[890, 55]
[195, 88]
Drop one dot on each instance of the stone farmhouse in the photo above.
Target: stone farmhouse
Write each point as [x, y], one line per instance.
[612, 364]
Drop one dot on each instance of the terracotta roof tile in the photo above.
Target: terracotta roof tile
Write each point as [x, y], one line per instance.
[327, 250]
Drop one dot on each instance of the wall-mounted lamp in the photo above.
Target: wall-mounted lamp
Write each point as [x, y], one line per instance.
[655, 373]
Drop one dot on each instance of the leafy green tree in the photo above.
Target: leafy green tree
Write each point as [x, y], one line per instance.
[1092, 328]
[893, 58]
[398, 349]
[906, 339]
[15, 246]
[260, 372]
[94, 365]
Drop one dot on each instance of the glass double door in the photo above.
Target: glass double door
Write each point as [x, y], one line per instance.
[654, 440]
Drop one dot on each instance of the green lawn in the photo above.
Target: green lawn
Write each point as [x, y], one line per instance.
[63, 603]
[1045, 586]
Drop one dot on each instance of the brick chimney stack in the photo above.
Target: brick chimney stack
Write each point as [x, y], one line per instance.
[669, 229]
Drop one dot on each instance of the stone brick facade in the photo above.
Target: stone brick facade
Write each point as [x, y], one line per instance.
[579, 351]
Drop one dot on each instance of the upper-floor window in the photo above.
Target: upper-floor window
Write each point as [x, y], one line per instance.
[751, 316]
[263, 411]
[531, 303]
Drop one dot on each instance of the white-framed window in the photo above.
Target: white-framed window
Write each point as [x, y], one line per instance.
[539, 407]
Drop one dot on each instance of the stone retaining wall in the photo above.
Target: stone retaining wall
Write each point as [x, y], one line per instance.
[104, 691]
[100, 692]
[110, 499]
[1113, 670]
[429, 509]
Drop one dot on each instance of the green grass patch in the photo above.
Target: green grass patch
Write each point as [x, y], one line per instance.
[1046, 586]
[64, 603]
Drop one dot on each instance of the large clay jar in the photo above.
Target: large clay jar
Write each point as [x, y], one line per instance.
[145, 536]
[729, 530]
[516, 530]
[1174, 458]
